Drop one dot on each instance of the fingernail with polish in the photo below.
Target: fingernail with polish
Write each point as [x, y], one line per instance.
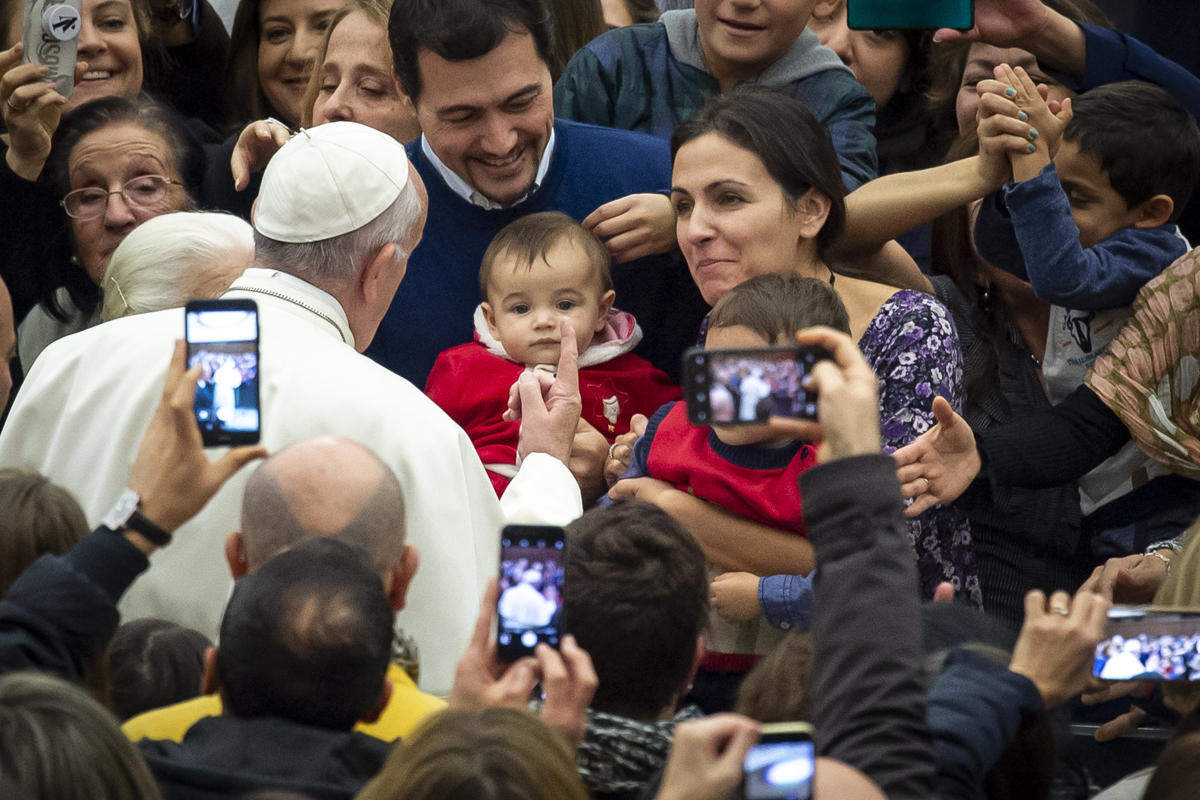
[1021, 115]
[1032, 147]
[1010, 92]
[1033, 134]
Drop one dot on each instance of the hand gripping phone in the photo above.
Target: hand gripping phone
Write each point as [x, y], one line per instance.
[51, 37]
[222, 337]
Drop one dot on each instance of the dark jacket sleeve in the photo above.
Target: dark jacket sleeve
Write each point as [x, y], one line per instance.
[868, 701]
[1053, 447]
[61, 612]
[976, 709]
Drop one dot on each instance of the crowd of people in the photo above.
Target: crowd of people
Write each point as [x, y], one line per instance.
[480, 236]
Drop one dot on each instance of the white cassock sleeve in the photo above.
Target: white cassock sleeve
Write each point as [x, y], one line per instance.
[544, 492]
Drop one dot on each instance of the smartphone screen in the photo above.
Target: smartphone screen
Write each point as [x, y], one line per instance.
[222, 337]
[781, 765]
[1149, 644]
[531, 574]
[864, 15]
[731, 387]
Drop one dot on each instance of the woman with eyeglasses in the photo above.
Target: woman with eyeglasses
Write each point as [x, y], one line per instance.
[118, 162]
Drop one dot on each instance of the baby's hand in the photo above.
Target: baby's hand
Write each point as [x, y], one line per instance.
[620, 454]
[735, 596]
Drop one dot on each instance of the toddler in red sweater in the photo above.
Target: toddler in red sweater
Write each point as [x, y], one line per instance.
[537, 270]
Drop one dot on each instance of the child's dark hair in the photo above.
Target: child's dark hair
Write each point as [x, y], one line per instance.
[779, 304]
[531, 237]
[1147, 142]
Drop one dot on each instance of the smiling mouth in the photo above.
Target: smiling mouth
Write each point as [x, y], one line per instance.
[501, 163]
[97, 75]
[742, 27]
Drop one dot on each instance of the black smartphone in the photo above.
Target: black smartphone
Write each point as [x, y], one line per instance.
[781, 765]
[51, 36]
[222, 337]
[865, 15]
[1149, 643]
[531, 579]
[741, 386]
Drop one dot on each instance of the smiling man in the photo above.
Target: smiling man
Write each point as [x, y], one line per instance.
[492, 152]
[651, 77]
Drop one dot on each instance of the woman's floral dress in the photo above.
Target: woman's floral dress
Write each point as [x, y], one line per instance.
[912, 346]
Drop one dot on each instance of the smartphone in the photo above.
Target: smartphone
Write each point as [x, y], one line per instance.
[222, 337]
[51, 37]
[781, 764]
[531, 579]
[740, 386]
[1149, 643]
[865, 15]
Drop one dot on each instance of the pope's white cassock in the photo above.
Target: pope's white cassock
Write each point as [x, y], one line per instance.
[85, 406]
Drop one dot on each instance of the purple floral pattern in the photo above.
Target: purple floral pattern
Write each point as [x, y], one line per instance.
[912, 346]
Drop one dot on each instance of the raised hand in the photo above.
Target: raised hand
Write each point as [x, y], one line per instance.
[940, 464]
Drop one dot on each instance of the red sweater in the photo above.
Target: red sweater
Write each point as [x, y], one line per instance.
[754, 482]
[471, 385]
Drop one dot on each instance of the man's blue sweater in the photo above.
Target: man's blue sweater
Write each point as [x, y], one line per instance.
[434, 308]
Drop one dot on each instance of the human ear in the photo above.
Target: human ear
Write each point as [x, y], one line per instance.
[489, 316]
[1155, 212]
[606, 304]
[813, 209]
[402, 576]
[370, 279]
[235, 555]
[210, 681]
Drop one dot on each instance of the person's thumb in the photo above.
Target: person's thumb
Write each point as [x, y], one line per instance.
[944, 593]
[943, 412]
[530, 390]
[237, 458]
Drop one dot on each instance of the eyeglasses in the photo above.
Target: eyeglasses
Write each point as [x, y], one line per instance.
[140, 192]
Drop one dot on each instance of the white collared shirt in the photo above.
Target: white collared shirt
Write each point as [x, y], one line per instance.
[469, 193]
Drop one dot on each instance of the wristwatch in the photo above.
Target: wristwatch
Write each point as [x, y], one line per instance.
[127, 514]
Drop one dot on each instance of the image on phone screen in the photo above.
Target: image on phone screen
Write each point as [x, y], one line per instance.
[749, 386]
[780, 770]
[531, 575]
[224, 342]
[1149, 644]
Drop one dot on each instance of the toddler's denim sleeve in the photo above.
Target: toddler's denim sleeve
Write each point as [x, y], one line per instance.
[786, 601]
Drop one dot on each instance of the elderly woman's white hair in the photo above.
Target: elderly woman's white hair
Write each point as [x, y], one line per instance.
[172, 258]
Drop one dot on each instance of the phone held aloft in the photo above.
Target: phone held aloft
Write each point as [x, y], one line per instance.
[222, 337]
[781, 765]
[1149, 643]
[51, 37]
[866, 15]
[749, 385]
[529, 611]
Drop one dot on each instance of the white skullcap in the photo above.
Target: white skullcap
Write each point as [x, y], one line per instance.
[329, 180]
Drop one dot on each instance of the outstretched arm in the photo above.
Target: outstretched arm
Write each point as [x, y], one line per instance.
[729, 540]
[59, 614]
[1031, 25]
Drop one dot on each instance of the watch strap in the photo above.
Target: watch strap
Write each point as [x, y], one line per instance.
[151, 532]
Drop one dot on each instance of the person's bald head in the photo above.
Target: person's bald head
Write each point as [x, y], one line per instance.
[328, 486]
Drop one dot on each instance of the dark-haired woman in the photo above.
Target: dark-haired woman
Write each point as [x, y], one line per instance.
[758, 189]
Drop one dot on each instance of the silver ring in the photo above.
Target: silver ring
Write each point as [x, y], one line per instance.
[1058, 610]
[9, 103]
[610, 450]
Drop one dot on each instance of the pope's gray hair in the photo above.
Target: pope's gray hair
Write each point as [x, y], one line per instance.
[338, 259]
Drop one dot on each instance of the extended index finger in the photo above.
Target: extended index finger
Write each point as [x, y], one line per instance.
[568, 355]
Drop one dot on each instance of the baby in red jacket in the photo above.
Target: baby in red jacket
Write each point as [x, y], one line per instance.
[537, 270]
